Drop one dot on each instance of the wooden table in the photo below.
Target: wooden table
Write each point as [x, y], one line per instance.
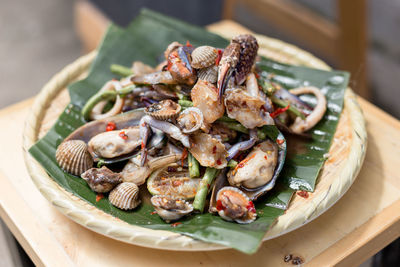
[364, 221]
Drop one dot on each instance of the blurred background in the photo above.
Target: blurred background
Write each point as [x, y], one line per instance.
[38, 38]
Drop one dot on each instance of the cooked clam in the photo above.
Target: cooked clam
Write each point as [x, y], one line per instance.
[204, 56]
[125, 196]
[234, 205]
[164, 110]
[209, 151]
[257, 168]
[73, 157]
[254, 193]
[171, 208]
[137, 174]
[172, 182]
[115, 143]
[101, 180]
[190, 120]
[158, 77]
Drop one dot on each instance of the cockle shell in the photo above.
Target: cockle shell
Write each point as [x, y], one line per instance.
[125, 196]
[209, 74]
[234, 205]
[164, 110]
[170, 208]
[190, 120]
[204, 56]
[73, 157]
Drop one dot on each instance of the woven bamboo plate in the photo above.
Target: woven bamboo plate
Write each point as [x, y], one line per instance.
[339, 172]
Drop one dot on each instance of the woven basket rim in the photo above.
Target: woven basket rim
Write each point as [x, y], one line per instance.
[98, 221]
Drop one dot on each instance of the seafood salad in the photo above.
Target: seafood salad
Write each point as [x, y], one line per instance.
[194, 132]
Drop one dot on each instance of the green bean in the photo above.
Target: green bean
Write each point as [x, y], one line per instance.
[100, 163]
[100, 96]
[194, 167]
[126, 90]
[181, 96]
[202, 190]
[232, 163]
[283, 103]
[267, 87]
[120, 70]
[236, 126]
[226, 119]
[185, 103]
[261, 134]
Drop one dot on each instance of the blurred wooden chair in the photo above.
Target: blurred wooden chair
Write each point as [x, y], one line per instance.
[344, 43]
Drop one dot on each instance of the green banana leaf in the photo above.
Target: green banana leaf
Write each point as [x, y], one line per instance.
[145, 39]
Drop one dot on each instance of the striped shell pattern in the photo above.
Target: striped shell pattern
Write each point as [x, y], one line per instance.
[204, 56]
[209, 74]
[125, 196]
[73, 157]
[164, 110]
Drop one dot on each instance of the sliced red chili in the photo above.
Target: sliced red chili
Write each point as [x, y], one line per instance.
[279, 111]
[280, 141]
[188, 44]
[123, 135]
[175, 224]
[99, 197]
[220, 206]
[111, 126]
[250, 207]
[303, 194]
[184, 155]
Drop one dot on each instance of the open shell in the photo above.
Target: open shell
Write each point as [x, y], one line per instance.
[164, 110]
[170, 208]
[257, 169]
[190, 120]
[125, 196]
[73, 157]
[173, 182]
[204, 56]
[234, 205]
[122, 121]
